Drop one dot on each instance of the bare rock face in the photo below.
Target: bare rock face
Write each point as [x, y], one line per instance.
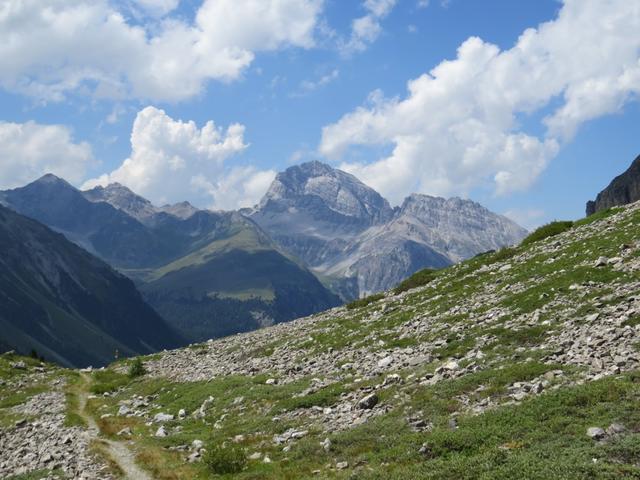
[315, 212]
[624, 189]
[134, 205]
[330, 191]
[123, 199]
[344, 230]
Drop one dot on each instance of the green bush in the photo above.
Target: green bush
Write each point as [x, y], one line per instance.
[224, 459]
[107, 381]
[363, 302]
[549, 230]
[418, 279]
[136, 369]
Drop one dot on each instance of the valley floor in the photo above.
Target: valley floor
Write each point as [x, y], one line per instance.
[521, 364]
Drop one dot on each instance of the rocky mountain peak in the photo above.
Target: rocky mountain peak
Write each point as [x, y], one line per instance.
[48, 181]
[50, 178]
[48, 191]
[422, 205]
[339, 191]
[122, 198]
[181, 210]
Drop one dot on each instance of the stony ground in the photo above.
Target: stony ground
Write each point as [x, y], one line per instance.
[35, 436]
[517, 364]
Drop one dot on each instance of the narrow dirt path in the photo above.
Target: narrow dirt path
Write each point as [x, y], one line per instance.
[118, 452]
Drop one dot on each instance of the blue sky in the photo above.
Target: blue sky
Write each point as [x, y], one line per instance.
[302, 87]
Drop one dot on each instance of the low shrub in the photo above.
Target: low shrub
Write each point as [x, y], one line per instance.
[225, 459]
[363, 302]
[136, 369]
[107, 381]
[418, 279]
[549, 230]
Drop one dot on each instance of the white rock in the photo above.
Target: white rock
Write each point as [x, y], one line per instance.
[163, 417]
[123, 411]
[385, 362]
[596, 433]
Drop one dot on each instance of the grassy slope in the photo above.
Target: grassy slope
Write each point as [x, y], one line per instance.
[215, 290]
[543, 437]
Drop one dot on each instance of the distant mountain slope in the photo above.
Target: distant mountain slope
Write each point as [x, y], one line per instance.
[624, 189]
[66, 304]
[237, 283]
[349, 235]
[182, 258]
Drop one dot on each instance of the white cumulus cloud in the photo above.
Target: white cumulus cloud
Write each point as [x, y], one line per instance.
[366, 29]
[458, 128]
[237, 188]
[29, 150]
[53, 47]
[308, 86]
[173, 160]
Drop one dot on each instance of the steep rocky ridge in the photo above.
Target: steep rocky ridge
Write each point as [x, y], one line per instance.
[134, 205]
[622, 190]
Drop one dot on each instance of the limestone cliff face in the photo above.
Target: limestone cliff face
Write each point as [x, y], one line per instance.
[344, 230]
[622, 190]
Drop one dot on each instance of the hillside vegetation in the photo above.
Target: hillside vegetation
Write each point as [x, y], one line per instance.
[521, 363]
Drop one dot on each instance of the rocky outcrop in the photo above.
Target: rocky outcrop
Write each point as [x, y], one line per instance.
[622, 190]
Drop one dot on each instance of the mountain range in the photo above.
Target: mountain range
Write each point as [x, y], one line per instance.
[208, 273]
[67, 305]
[317, 238]
[349, 235]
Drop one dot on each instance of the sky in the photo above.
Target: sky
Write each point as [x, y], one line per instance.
[528, 107]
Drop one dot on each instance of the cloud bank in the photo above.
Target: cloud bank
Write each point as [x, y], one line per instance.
[173, 161]
[53, 47]
[29, 150]
[366, 29]
[459, 126]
